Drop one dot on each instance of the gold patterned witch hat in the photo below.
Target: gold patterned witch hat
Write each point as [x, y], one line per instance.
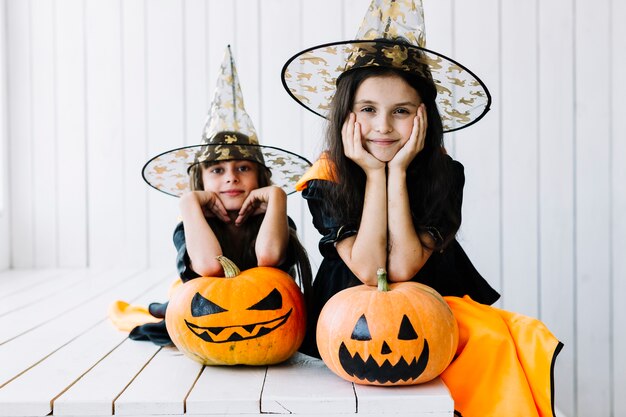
[228, 135]
[392, 35]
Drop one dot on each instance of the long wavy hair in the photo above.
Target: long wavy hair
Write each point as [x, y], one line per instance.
[242, 252]
[430, 177]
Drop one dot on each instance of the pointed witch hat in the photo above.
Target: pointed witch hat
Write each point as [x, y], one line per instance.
[392, 35]
[228, 135]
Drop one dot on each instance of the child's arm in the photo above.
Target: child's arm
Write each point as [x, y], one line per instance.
[202, 244]
[273, 238]
[407, 255]
[365, 252]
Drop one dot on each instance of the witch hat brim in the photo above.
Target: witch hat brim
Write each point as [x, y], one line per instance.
[391, 35]
[168, 172]
[310, 77]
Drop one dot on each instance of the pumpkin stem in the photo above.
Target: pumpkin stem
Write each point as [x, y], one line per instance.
[230, 269]
[383, 285]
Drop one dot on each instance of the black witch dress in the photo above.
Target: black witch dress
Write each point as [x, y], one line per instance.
[449, 271]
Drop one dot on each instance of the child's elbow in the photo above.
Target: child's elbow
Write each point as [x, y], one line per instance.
[207, 267]
[402, 276]
[401, 273]
[269, 258]
[366, 275]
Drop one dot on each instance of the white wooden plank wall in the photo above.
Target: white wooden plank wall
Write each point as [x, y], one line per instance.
[94, 88]
[617, 163]
[555, 104]
[5, 249]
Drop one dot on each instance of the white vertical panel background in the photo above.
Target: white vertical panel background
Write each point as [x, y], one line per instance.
[280, 37]
[195, 71]
[519, 156]
[21, 200]
[134, 133]
[246, 47]
[316, 31]
[71, 133]
[618, 209]
[556, 186]
[592, 196]
[95, 88]
[165, 113]
[221, 24]
[44, 133]
[476, 44]
[5, 248]
[353, 12]
[105, 149]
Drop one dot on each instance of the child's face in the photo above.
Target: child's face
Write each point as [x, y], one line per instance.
[232, 181]
[385, 107]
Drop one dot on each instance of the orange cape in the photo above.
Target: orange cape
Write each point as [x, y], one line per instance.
[504, 365]
[126, 317]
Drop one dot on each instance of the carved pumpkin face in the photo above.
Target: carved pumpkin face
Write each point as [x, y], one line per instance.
[399, 336]
[255, 317]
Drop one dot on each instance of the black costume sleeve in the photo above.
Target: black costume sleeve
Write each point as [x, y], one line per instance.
[456, 195]
[450, 271]
[440, 227]
[325, 223]
[292, 256]
[183, 263]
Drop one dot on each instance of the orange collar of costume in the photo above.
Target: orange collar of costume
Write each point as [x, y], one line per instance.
[322, 169]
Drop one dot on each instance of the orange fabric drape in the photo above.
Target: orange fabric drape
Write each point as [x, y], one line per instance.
[125, 316]
[504, 363]
[322, 169]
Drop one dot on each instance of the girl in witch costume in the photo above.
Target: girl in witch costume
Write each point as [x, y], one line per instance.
[233, 202]
[385, 193]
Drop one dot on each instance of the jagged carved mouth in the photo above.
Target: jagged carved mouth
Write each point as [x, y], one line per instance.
[370, 370]
[235, 333]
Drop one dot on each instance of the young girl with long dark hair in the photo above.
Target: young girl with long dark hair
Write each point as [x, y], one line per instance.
[233, 203]
[385, 194]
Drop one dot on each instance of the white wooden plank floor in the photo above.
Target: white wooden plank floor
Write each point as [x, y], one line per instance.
[59, 355]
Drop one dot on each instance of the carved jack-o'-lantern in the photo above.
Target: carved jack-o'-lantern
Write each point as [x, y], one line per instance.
[398, 334]
[254, 317]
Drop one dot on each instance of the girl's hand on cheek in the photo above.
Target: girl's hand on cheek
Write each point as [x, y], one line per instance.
[257, 202]
[353, 147]
[415, 144]
[211, 205]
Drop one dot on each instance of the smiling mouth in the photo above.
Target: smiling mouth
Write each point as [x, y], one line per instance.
[232, 193]
[382, 142]
[370, 370]
[224, 334]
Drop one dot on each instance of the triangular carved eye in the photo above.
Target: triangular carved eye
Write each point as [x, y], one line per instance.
[201, 306]
[273, 301]
[361, 330]
[407, 332]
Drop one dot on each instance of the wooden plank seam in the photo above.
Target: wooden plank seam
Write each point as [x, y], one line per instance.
[132, 379]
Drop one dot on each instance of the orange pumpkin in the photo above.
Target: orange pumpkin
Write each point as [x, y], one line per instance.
[254, 317]
[398, 334]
